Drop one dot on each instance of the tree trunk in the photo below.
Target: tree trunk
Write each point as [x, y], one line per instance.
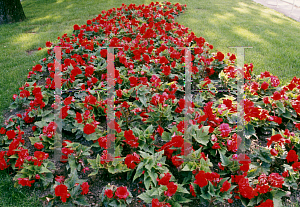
[11, 11]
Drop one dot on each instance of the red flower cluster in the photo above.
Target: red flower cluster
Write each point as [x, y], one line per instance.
[275, 180]
[109, 193]
[60, 179]
[103, 142]
[177, 161]
[160, 130]
[177, 141]
[245, 189]
[292, 156]
[245, 161]
[39, 145]
[62, 191]
[131, 139]
[85, 188]
[296, 166]
[226, 186]
[276, 138]
[66, 151]
[267, 203]
[116, 126]
[220, 56]
[50, 130]
[39, 156]
[165, 179]
[202, 178]
[192, 190]
[264, 86]
[225, 129]
[234, 143]
[89, 129]
[11, 134]
[25, 182]
[213, 120]
[121, 193]
[252, 111]
[172, 188]
[132, 160]
[156, 203]
[3, 164]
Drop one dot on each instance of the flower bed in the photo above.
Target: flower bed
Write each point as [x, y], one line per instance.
[154, 163]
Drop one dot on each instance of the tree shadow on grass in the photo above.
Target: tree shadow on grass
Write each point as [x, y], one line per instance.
[275, 38]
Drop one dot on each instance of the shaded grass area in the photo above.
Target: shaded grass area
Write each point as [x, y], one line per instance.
[12, 197]
[275, 40]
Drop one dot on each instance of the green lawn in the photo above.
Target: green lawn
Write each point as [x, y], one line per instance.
[11, 196]
[223, 23]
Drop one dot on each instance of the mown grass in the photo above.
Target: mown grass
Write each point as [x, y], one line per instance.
[275, 40]
[12, 197]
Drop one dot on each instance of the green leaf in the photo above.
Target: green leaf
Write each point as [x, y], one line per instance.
[47, 179]
[72, 164]
[204, 193]
[202, 136]
[253, 172]
[147, 181]
[14, 156]
[139, 171]
[225, 160]
[149, 130]
[146, 197]
[81, 200]
[49, 117]
[117, 151]
[186, 167]
[277, 202]
[245, 201]
[143, 99]
[287, 114]
[211, 190]
[50, 165]
[181, 189]
[278, 193]
[34, 140]
[199, 100]
[166, 136]
[75, 190]
[41, 124]
[181, 199]
[249, 129]
[149, 164]
[93, 136]
[176, 205]
[279, 104]
[46, 112]
[265, 155]
[45, 170]
[93, 173]
[72, 180]
[153, 176]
